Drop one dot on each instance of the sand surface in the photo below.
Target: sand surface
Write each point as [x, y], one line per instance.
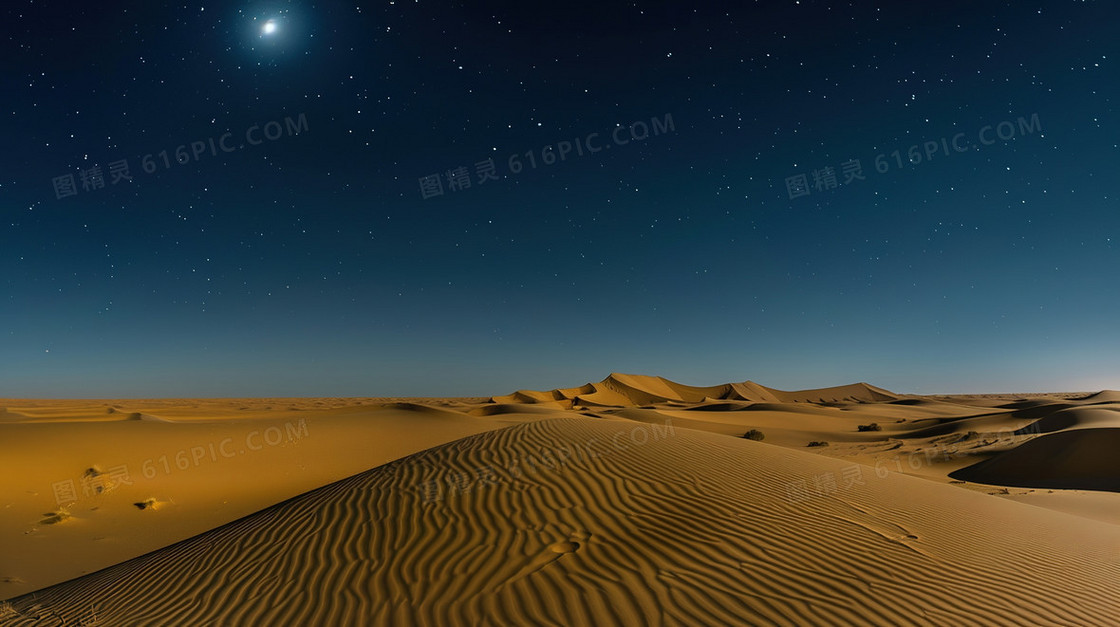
[634, 500]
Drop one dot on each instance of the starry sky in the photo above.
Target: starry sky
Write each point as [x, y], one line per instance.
[443, 198]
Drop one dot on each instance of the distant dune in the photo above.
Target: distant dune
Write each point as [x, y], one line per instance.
[1105, 396]
[632, 501]
[629, 390]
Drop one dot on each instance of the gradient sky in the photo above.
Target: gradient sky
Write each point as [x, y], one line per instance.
[312, 264]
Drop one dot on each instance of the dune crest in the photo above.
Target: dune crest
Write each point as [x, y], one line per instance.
[1104, 396]
[631, 390]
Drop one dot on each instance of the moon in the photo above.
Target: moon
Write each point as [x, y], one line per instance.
[269, 27]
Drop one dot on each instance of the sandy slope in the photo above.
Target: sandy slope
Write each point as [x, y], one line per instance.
[571, 506]
[661, 526]
[201, 466]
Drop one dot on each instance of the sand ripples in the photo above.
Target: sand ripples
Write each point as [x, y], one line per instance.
[579, 521]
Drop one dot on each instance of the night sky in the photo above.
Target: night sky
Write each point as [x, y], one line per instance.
[349, 221]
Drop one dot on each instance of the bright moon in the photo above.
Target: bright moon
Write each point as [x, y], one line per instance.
[268, 28]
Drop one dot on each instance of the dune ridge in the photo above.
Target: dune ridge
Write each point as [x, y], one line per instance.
[582, 521]
[1104, 396]
[631, 390]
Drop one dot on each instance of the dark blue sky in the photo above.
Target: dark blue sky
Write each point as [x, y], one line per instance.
[310, 262]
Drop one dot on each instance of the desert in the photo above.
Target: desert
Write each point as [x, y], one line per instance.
[633, 500]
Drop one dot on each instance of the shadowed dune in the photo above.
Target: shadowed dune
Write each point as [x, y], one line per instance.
[1080, 458]
[542, 407]
[1075, 418]
[579, 521]
[719, 405]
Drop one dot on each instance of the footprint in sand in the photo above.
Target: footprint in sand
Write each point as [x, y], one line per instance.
[564, 547]
[553, 552]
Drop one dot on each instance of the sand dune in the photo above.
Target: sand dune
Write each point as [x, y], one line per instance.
[208, 472]
[670, 527]
[1078, 458]
[626, 390]
[634, 500]
[1104, 396]
[1078, 417]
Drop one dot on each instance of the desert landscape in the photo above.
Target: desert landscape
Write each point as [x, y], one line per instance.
[445, 314]
[632, 501]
